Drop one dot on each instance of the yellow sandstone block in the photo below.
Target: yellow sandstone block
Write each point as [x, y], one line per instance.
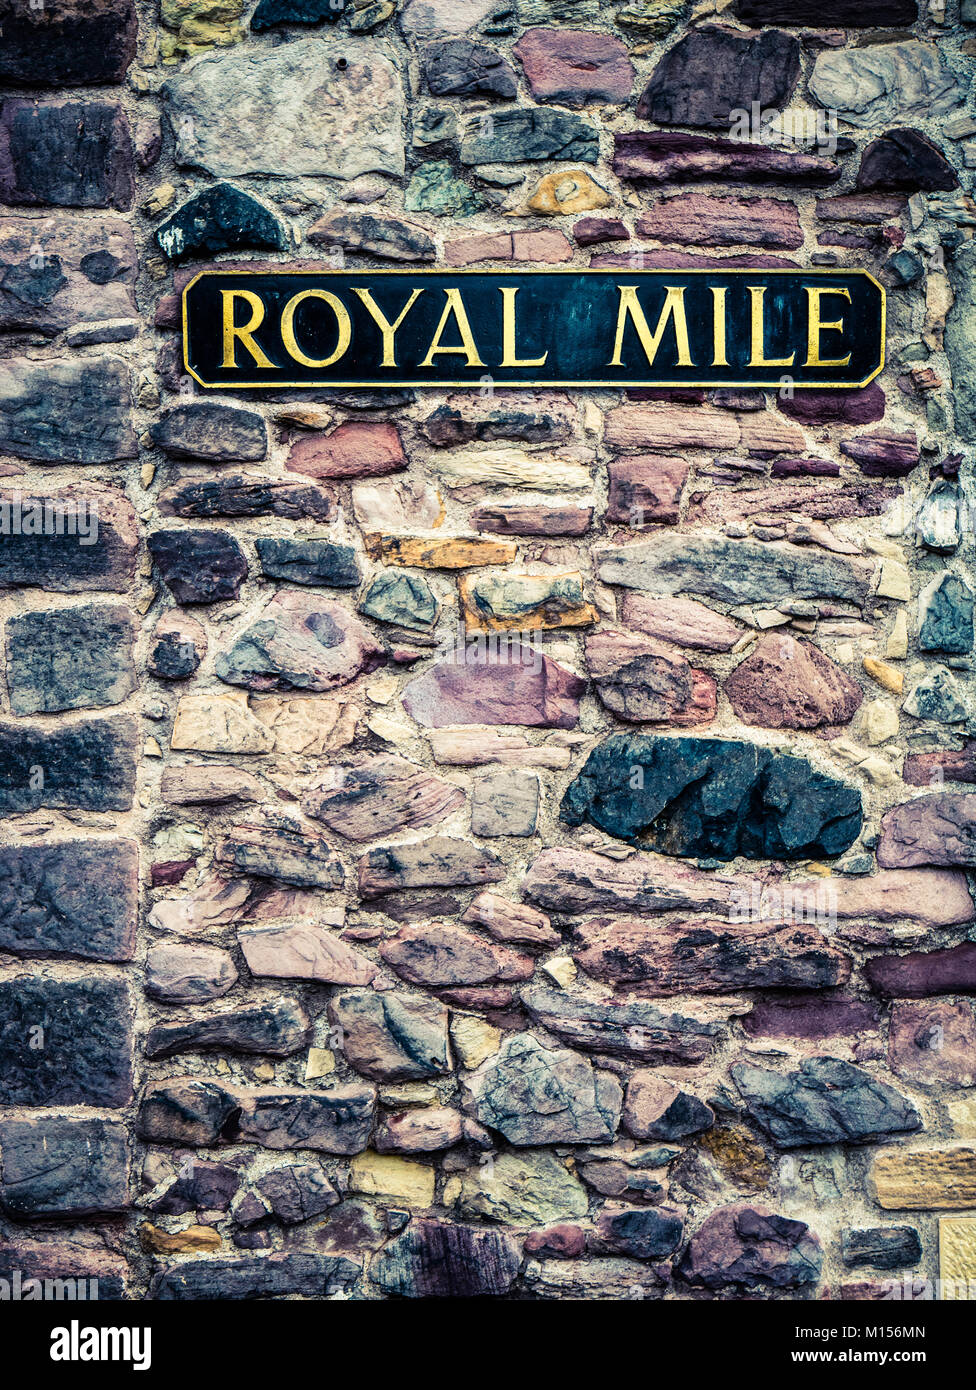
[926, 1179]
[385, 1175]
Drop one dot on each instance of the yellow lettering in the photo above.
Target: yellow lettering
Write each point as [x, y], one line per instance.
[673, 307]
[343, 325]
[455, 307]
[233, 334]
[508, 333]
[815, 326]
[759, 358]
[719, 358]
[382, 322]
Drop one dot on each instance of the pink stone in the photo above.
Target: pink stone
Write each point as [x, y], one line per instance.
[862, 407]
[644, 682]
[418, 1131]
[511, 922]
[304, 951]
[939, 829]
[933, 1041]
[575, 66]
[357, 449]
[588, 231]
[442, 954]
[703, 219]
[564, 1242]
[919, 974]
[547, 246]
[680, 621]
[486, 246]
[494, 691]
[671, 427]
[787, 684]
[645, 488]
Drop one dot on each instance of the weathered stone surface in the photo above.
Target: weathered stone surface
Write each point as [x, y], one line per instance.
[313, 560]
[89, 765]
[510, 602]
[442, 954]
[222, 218]
[270, 14]
[941, 765]
[811, 1016]
[404, 599]
[939, 829]
[51, 1266]
[747, 1247]
[883, 453]
[297, 1192]
[920, 973]
[97, 549]
[505, 802]
[70, 897]
[881, 1247]
[198, 566]
[300, 642]
[473, 745]
[73, 658]
[642, 681]
[337, 1121]
[492, 690]
[788, 684]
[178, 973]
[427, 1130]
[437, 552]
[528, 133]
[937, 696]
[674, 156]
[732, 571]
[247, 495]
[509, 467]
[532, 417]
[86, 42]
[524, 519]
[356, 449]
[646, 1233]
[187, 1110]
[192, 784]
[946, 616]
[60, 273]
[65, 1042]
[521, 1189]
[66, 412]
[275, 1029]
[905, 161]
[75, 154]
[392, 1037]
[576, 881]
[460, 67]
[819, 14]
[438, 861]
[375, 795]
[637, 1031]
[199, 1186]
[304, 952]
[61, 1167]
[881, 84]
[434, 1259]
[219, 724]
[511, 922]
[289, 111]
[680, 621]
[292, 856]
[389, 238]
[613, 1279]
[692, 796]
[960, 337]
[212, 433]
[563, 195]
[574, 67]
[536, 1095]
[933, 1042]
[925, 1179]
[646, 488]
[708, 957]
[713, 71]
[827, 1101]
[656, 1109]
[178, 645]
[279, 1275]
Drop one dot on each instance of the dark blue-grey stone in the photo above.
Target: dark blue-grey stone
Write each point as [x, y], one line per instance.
[76, 411]
[404, 599]
[881, 1247]
[309, 560]
[827, 1101]
[73, 898]
[198, 566]
[257, 1276]
[271, 13]
[90, 766]
[459, 67]
[646, 1233]
[712, 798]
[274, 1029]
[222, 218]
[70, 658]
[65, 1042]
[60, 1167]
[947, 621]
[530, 132]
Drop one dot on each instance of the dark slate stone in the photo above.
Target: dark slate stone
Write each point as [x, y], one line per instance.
[905, 161]
[712, 798]
[337, 1121]
[72, 44]
[76, 411]
[432, 1259]
[747, 1247]
[242, 495]
[397, 597]
[213, 433]
[827, 1101]
[636, 1030]
[73, 898]
[260, 1276]
[531, 132]
[920, 974]
[451, 424]
[173, 656]
[101, 554]
[647, 1233]
[271, 13]
[65, 1042]
[460, 67]
[947, 624]
[71, 658]
[221, 218]
[309, 560]
[677, 156]
[297, 1192]
[75, 154]
[59, 1167]
[39, 1267]
[199, 1186]
[301, 859]
[827, 14]
[904, 268]
[199, 566]
[713, 71]
[90, 766]
[274, 1029]
[188, 1110]
[881, 1247]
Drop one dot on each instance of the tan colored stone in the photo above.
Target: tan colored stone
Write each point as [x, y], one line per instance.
[896, 647]
[894, 581]
[884, 674]
[524, 602]
[512, 468]
[321, 1062]
[439, 552]
[880, 721]
[474, 1040]
[957, 1257]
[962, 1113]
[191, 1238]
[304, 951]
[567, 193]
[471, 745]
[925, 1179]
[307, 725]
[219, 723]
[396, 1179]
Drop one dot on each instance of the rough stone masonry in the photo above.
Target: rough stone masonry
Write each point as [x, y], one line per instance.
[345, 956]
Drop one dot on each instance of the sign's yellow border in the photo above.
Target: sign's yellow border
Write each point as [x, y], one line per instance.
[771, 385]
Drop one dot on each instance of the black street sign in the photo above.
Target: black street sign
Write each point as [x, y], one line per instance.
[442, 328]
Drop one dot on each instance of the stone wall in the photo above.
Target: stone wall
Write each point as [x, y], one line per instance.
[635, 961]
